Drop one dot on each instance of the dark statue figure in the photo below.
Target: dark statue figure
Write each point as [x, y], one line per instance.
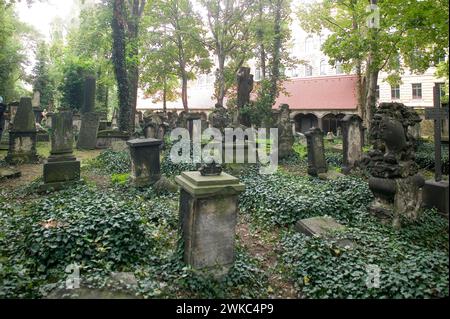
[244, 88]
[394, 180]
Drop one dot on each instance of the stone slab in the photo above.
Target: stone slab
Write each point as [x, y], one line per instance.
[197, 185]
[141, 142]
[87, 138]
[436, 194]
[61, 171]
[318, 226]
[6, 172]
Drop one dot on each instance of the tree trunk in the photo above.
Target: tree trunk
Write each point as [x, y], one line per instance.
[371, 89]
[119, 58]
[262, 49]
[184, 97]
[165, 95]
[275, 76]
[220, 90]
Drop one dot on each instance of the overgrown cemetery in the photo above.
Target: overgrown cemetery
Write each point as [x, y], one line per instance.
[103, 200]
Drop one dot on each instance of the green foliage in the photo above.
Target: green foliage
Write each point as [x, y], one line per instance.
[415, 267]
[282, 199]
[425, 157]
[42, 78]
[13, 59]
[112, 162]
[75, 70]
[120, 179]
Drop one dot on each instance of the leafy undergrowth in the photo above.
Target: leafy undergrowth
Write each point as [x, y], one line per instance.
[104, 231]
[281, 199]
[409, 264]
[413, 261]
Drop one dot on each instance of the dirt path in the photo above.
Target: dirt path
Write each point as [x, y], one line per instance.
[265, 250]
[29, 172]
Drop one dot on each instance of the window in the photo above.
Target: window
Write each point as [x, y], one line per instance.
[309, 44]
[323, 67]
[308, 70]
[257, 74]
[377, 94]
[417, 90]
[294, 73]
[395, 92]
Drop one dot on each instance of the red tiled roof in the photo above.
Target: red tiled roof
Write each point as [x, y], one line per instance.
[326, 92]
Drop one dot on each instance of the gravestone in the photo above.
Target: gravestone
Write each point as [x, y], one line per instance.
[352, 141]
[87, 138]
[36, 104]
[436, 192]
[220, 118]
[114, 139]
[285, 135]
[61, 168]
[193, 129]
[22, 135]
[316, 152]
[244, 88]
[208, 213]
[145, 161]
[4, 141]
[394, 180]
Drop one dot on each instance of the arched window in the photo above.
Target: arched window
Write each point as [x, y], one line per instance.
[323, 67]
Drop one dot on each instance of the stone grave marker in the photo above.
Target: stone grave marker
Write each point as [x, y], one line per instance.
[87, 138]
[352, 141]
[208, 213]
[244, 88]
[436, 192]
[316, 152]
[22, 135]
[145, 161]
[61, 168]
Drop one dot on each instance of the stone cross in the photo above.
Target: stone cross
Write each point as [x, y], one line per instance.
[437, 114]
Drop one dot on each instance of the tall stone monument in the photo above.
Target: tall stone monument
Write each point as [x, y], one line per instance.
[244, 88]
[352, 140]
[22, 135]
[61, 168]
[36, 104]
[317, 163]
[87, 138]
[208, 213]
[2, 118]
[394, 180]
[285, 134]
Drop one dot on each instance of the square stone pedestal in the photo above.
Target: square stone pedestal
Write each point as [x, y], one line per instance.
[436, 194]
[145, 161]
[57, 175]
[208, 211]
[22, 147]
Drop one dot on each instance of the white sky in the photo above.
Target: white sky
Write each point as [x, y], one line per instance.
[41, 14]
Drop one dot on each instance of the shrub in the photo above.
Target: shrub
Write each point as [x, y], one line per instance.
[425, 157]
[112, 162]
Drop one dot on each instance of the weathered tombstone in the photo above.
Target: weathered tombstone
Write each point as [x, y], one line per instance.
[4, 142]
[316, 152]
[208, 213]
[394, 180]
[61, 168]
[192, 129]
[352, 141]
[145, 161]
[22, 135]
[13, 107]
[36, 104]
[285, 135]
[436, 192]
[219, 118]
[87, 138]
[244, 88]
[114, 139]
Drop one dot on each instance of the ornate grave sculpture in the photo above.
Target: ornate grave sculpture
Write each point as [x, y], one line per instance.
[394, 180]
[155, 125]
[244, 88]
[219, 118]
